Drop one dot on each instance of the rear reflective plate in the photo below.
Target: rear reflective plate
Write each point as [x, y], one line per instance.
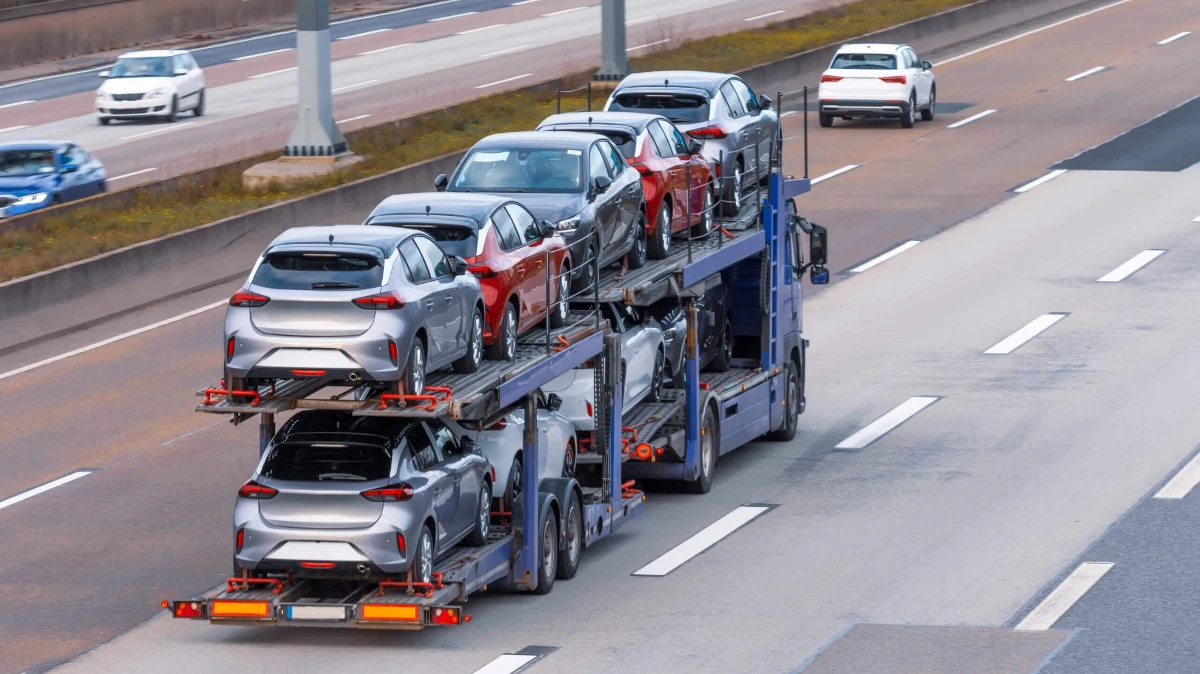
[316, 612]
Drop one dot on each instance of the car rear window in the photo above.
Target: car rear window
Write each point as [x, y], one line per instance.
[327, 462]
[319, 271]
[864, 62]
[679, 108]
[460, 240]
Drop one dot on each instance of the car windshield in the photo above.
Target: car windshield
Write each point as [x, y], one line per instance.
[679, 108]
[142, 66]
[521, 170]
[864, 62]
[328, 462]
[26, 162]
[460, 240]
[319, 271]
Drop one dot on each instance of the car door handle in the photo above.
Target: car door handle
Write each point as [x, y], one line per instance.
[449, 301]
[520, 269]
[429, 303]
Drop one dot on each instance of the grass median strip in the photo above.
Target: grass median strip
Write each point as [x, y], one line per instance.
[87, 231]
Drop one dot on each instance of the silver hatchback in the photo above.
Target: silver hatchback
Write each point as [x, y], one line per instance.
[353, 304]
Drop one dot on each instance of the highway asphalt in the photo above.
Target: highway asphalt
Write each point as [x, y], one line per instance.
[1042, 410]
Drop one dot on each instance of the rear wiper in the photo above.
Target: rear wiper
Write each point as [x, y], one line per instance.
[333, 284]
[678, 120]
[341, 476]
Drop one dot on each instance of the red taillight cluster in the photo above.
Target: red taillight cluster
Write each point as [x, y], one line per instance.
[708, 133]
[392, 352]
[390, 493]
[481, 271]
[644, 171]
[253, 489]
[830, 78]
[245, 298]
[444, 616]
[895, 79]
[400, 543]
[241, 538]
[380, 302]
[187, 609]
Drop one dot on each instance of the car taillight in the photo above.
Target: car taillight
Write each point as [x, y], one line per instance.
[241, 537]
[380, 302]
[253, 489]
[830, 78]
[503, 423]
[644, 171]
[390, 493]
[400, 543]
[589, 409]
[481, 271]
[392, 352]
[895, 79]
[245, 298]
[229, 348]
[707, 133]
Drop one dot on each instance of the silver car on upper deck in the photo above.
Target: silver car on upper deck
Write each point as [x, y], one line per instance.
[353, 304]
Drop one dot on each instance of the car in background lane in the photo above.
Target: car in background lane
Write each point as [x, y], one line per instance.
[578, 181]
[740, 128]
[666, 159]
[156, 84]
[503, 246]
[877, 81]
[37, 174]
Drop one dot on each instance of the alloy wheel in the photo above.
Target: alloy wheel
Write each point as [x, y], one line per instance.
[426, 556]
[477, 338]
[485, 510]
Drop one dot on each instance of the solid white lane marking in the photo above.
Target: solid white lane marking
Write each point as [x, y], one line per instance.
[1064, 597]
[1196, 219]
[705, 539]
[1031, 329]
[165, 129]
[566, 11]
[14, 128]
[789, 113]
[273, 72]
[1184, 481]
[1026, 34]
[506, 664]
[648, 44]
[1091, 71]
[13, 105]
[111, 340]
[1135, 263]
[968, 120]
[369, 32]
[763, 16]
[383, 49]
[135, 173]
[885, 256]
[506, 51]
[834, 174]
[348, 87]
[887, 423]
[477, 30]
[452, 16]
[352, 119]
[1177, 36]
[44, 488]
[1044, 179]
[504, 81]
[644, 19]
[266, 53]
[523, 2]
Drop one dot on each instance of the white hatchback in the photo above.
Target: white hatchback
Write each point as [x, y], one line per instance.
[877, 80]
[151, 84]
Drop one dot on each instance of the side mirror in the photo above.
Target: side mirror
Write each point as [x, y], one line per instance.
[468, 444]
[818, 275]
[548, 229]
[554, 402]
[694, 145]
[441, 182]
[104, 73]
[790, 207]
[70, 168]
[460, 266]
[764, 102]
[601, 184]
[818, 246]
[180, 72]
[927, 65]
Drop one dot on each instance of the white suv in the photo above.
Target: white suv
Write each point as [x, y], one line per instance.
[877, 80]
[151, 84]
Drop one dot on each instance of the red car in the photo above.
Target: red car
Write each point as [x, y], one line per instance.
[504, 246]
[663, 155]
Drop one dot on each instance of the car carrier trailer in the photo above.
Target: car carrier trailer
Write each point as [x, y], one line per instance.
[756, 254]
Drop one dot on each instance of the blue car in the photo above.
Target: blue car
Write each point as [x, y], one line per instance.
[37, 174]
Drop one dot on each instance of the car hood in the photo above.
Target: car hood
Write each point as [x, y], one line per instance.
[552, 207]
[135, 85]
[19, 186]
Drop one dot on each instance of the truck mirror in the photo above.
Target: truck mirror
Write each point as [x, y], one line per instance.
[790, 207]
[818, 246]
[818, 275]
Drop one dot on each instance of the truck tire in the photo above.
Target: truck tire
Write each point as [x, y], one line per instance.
[791, 401]
[708, 454]
[568, 560]
[547, 552]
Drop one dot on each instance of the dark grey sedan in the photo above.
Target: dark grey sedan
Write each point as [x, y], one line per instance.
[578, 181]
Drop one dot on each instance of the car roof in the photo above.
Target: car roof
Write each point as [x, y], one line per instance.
[477, 207]
[633, 120]
[872, 47]
[384, 239]
[676, 79]
[152, 53]
[33, 145]
[539, 139]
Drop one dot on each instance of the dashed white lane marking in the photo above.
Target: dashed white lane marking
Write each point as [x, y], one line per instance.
[648, 44]
[1196, 219]
[970, 119]
[111, 340]
[1184, 481]
[273, 72]
[13, 105]
[265, 53]
[1176, 36]
[887, 423]
[44, 488]
[352, 119]
[789, 113]
[1092, 71]
[1017, 339]
[523, 2]
[348, 87]
[479, 30]
[452, 16]
[705, 539]
[510, 50]
[504, 81]
[14, 128]
[1128, 268]
[165, 129]
[1026, 34]
[369, 32]
[1064, 597]
[134, 173]
[834, 174]
[644, 19]
[880, 259]
[763, 16]
[383, 49]
[1044, 179]
[566, 11]
[507, 664]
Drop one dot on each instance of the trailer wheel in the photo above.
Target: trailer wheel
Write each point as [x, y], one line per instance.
[568, 561]
[708, 455]
[791, 401]
[547, 553]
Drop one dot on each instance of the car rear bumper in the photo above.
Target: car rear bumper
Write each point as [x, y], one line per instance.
[366, 553]
[864, 108]
[365, 357]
